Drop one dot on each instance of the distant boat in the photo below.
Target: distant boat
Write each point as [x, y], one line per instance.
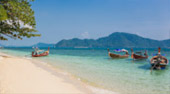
[39, 53]
[139, 55]
[1, 47]
[113, 55]
[159, 61]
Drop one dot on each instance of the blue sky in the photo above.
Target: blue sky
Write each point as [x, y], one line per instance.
[65, 19]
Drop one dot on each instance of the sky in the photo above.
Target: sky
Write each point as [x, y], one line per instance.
[66, 19]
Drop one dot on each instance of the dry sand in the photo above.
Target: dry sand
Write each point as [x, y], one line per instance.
[19, 75]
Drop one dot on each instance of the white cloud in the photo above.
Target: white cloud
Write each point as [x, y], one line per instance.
[85, 35]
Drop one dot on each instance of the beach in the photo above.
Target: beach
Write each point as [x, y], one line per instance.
[19, 75]
[84, 47]
[80, 71]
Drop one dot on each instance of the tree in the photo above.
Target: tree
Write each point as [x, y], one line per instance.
[3, 14]
[17, 19]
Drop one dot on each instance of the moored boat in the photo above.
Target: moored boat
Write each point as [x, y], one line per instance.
[1, 47]
[139, 55]
[113, 55]
[39, 53]
[159, 61]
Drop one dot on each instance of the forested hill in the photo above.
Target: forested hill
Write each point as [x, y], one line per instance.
[115, 40]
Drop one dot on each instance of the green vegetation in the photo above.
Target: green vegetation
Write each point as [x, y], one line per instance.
[115, 40]
[3, 14]
[16, 19]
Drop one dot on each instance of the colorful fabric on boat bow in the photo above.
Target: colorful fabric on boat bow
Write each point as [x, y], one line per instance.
[121, 50]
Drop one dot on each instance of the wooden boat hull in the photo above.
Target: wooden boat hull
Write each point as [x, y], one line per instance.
[159, 61]
[156, 65]
[134, 56]
[112, 55]
[139, 57]
[42, 54]
[39, 55]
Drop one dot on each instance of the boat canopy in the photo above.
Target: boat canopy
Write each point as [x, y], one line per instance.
[37, 50]
[121, 50]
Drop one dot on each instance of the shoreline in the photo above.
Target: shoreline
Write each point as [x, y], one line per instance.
[74, 80]
[16, 71]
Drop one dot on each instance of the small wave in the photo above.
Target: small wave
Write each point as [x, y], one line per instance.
[27, 57]
[100, 91]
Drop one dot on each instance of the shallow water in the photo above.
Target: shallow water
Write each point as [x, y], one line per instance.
[94, 67]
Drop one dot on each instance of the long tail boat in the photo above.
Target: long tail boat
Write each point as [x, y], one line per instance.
[39, 53]
[159, 61]
[139, 55]
[113, 55]
[1, 47]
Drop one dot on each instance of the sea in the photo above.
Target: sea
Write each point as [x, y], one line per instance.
[95, 68]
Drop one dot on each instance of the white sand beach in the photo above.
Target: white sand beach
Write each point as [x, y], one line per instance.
[19, 75]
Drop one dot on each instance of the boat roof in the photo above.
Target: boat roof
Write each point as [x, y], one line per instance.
[121, 50]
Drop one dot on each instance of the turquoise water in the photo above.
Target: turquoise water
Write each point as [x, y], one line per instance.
[94, 67]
